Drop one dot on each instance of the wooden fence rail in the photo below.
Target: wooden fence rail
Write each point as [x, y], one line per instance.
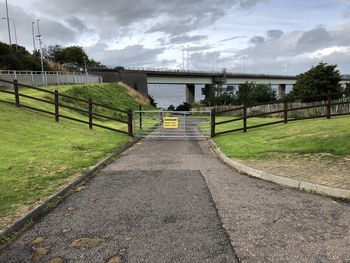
[89, 111]
[284, 108]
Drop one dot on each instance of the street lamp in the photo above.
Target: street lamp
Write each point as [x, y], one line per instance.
[33, 36]
[8, 22]
[40, 42]
[14, 25]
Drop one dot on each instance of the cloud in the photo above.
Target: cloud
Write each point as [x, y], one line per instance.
[274, 34]
[257, 40]
[232, 38]
[181, 39]
[130, 56]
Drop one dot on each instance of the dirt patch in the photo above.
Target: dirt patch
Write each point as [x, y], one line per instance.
[55, 260]
[38, 240]
[40, 252]
[322, 169]
[170, 219]
[86, 242]
[115, 259]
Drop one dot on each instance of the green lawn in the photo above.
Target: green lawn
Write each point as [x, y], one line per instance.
[37, 155]
[300, 137]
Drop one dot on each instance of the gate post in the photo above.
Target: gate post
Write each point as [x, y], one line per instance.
[212, 123]
[285, 110]
[244, 117]
[130, 132]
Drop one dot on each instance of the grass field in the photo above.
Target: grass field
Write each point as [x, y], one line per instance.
[300, 137]
[37, 155]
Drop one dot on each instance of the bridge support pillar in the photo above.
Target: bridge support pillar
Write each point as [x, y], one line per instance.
[281, 91]
[190, 93]
[209, 92]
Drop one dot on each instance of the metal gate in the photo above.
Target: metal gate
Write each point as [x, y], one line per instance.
[172, 124]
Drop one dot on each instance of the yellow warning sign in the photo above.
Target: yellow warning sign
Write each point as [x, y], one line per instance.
[170, 122]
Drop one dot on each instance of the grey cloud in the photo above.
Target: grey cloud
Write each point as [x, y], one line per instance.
[257, 40]
[53, 32]
[77, 24]
[135, 55]
[232, 38]
[347, 12]
[182, 39]
[315, 36]
[274, 34]
[123, 13]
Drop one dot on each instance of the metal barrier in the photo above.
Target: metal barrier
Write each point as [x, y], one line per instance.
[172, 124]
[38, 78]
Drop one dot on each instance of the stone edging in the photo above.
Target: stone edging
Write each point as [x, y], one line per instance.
[16, 228]
[284, 181]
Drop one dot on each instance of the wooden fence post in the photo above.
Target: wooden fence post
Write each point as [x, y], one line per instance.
[244, 118]
[285, 112]
[212, 123]
[329, 101]
[140, 109]
[90, 114]
[15, 87]
[130, 131]
[57, 114]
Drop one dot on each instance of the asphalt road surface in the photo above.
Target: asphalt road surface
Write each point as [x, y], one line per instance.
[153, 205]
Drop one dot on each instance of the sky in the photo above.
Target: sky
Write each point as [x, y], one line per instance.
[243, 36]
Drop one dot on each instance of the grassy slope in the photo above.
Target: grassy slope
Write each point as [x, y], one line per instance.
[309, 136]
[38, 155]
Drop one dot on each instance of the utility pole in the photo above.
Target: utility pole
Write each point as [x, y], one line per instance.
[188, 57]
[183, 58]
[33, 36]
[8, 22]
[41, 50]
[14, 25]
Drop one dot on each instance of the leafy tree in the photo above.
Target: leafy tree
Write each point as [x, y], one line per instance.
[183, 107]
[171, 108]
[318, 80]
[262, 93]
[56, 53]
[10, 59]
[347, 90]
[74, 54]
[152, 101]
[244, 93]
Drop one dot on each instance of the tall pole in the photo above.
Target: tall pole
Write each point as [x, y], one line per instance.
[188, 57]
[14, 25]
[41, 50]
[8, 22]
[33, 36]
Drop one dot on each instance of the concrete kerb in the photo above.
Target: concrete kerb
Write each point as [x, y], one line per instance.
[284, 181]
[21, 224]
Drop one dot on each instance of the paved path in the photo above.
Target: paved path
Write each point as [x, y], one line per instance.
[165, 214]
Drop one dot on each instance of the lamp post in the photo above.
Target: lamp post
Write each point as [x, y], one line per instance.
[33, 36]
[14, 25]
[40, 42]
[8, 22]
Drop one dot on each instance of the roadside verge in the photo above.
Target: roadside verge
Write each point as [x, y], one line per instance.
[21, 224]
[284, 181]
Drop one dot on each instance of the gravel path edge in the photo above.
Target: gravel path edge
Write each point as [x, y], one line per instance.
[284, 181]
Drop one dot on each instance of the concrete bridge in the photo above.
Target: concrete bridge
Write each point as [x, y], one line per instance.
[140, 78]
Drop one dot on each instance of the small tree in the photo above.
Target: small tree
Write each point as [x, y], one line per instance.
[244, 93]
[262, 93]
[318, 80]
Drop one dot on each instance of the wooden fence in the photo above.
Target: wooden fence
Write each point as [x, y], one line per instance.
[287, 109]
[56, 113]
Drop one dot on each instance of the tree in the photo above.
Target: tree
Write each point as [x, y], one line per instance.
[171, 108]
[262, 93]
[347, 90]
[74, 54]
[183, 107]
[318, 80]
[56, 53]
[243, 93]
